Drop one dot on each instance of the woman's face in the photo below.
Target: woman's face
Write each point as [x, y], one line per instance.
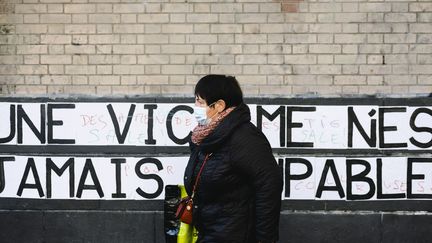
[210, 110]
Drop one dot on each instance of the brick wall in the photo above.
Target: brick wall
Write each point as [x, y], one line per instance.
[295, 47]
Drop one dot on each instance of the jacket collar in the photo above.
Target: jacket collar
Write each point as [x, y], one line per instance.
[239, 116]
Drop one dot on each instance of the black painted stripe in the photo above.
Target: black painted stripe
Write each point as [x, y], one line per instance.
[165, 151]
[306, 100]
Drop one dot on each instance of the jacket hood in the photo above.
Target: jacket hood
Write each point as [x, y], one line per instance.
[237, 117]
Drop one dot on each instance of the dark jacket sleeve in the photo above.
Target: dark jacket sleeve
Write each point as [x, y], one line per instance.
[187, 177]
[252, 155]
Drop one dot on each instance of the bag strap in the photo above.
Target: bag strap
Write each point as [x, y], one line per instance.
[199, 174]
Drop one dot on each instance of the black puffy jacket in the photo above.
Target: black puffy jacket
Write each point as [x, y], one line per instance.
[239, 194]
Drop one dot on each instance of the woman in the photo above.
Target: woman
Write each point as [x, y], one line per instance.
[239, 191]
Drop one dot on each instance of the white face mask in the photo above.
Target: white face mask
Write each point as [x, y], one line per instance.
[200, 114]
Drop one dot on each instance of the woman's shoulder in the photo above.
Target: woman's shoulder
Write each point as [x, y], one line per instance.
[249, 141]
[247, 132]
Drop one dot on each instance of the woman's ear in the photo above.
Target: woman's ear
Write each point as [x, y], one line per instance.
[220, 106]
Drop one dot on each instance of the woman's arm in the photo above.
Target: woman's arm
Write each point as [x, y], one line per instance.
[252, 154]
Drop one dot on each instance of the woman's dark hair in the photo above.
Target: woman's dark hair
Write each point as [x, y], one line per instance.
[219, 87]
